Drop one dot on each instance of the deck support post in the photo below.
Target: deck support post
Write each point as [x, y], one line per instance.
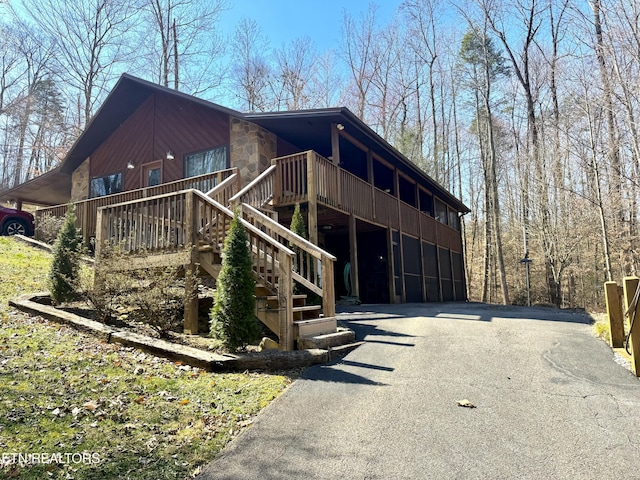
[353, 256]
[190, 269]
[285, 300]
[391, 266]
[312, 200]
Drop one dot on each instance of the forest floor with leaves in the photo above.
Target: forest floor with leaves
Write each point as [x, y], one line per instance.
[73, 407]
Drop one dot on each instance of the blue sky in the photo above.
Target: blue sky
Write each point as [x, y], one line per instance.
[284, 20]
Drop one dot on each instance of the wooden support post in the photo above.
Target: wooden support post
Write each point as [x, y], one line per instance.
[335, 158]
[423, 283]
[371, 180]
[190, 300]
[328, 288]
[335, 144]
[190, 277]
[614, 312]
[353, 256]
[312, 197]
[101, 237]
[285, 298]
[86, 234]
[396, 186]
[630, 287]
[391, 266]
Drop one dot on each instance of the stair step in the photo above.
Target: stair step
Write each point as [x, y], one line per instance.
[314, 327]
[295, 297]
[306, 312]
[307, 308]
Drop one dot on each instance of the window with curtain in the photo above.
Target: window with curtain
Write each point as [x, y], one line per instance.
[205, 162]
[106, 185]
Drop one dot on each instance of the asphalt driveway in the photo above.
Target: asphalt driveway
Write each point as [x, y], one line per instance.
[551, 402]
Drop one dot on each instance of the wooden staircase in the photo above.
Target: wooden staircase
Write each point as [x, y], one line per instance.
[188, 228]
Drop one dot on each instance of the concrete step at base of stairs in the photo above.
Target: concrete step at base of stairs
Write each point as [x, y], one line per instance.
[314, 327]
[342, 336]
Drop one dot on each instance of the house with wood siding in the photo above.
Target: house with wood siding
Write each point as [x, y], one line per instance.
[162, 169]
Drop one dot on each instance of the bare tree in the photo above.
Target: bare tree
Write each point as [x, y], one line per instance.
[359, 53]
[90, 42]
[250, 71]
[291, 78]
[184, 47]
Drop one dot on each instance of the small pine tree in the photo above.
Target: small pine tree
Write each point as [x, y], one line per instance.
[233, 319]
[65, 267]
[299, 228]
[297, 223]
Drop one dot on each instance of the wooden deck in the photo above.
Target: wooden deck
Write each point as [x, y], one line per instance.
[310, 178]
[87, 210]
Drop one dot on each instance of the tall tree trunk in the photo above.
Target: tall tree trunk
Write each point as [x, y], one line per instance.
[613, 147]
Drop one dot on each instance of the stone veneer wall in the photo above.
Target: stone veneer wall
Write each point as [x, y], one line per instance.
[80, 182]
[251, 150]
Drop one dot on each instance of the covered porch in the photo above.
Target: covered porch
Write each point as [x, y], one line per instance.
[402, 243]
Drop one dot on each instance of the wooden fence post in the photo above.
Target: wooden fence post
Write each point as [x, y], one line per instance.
[614, 312]
[630, 287]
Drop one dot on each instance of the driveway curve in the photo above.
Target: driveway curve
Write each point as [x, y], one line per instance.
[550, 402]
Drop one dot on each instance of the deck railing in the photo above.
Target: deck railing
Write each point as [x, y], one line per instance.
[340, 189]
[86, 210]
[312, 266]
[257, 193]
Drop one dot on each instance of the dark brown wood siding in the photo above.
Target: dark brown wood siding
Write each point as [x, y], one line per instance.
[131, 142]
[161, 124]
[186, 127]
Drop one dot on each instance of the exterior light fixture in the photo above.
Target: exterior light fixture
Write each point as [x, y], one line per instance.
[340, 126]
[130, 166]
[170, 155]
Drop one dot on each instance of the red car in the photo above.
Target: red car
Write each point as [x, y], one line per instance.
[15, 222]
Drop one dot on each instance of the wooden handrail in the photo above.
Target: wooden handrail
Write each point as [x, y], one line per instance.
[206, 199]
[312, 266]
[262, 178]
[246, 224]
[285, 233]
[224, 189]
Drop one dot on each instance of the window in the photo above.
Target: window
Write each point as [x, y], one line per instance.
[441, 212]
[107, 185]
[426, 202]
[454, 220]
[205, 162]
